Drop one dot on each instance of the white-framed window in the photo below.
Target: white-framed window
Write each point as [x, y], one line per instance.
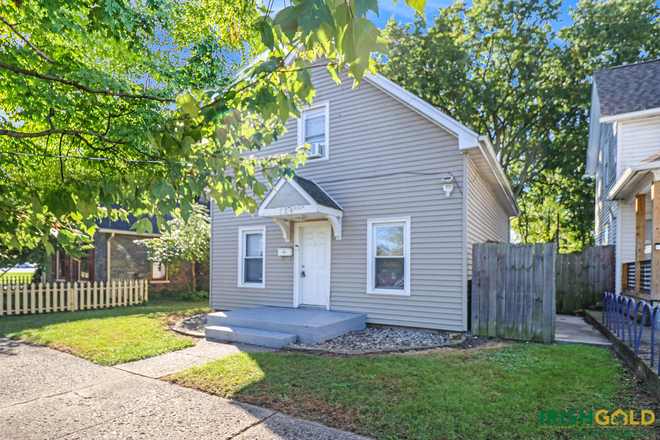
[388, 256]
[314, 128]
[158, 272]
[60, 266]
[251, 261]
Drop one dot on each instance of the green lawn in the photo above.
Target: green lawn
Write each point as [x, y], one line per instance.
[488, 393]
[107, 336]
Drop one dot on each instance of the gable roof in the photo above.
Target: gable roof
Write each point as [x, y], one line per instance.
[468, 141]
[317, 193]
[629, 88]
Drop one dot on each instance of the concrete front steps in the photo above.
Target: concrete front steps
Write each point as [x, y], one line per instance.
[278, 326]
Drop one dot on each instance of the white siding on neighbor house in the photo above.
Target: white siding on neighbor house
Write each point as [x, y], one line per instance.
[640, 138]
[385, 161]
[637, 140]
[486, 218]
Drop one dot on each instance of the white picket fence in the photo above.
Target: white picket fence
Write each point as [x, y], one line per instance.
[21, 299]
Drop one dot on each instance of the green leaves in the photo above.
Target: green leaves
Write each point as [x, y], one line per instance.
[312, 13]
[146, 129]
[143, 225]
[500, 68]
[189, 104]
[163, 190]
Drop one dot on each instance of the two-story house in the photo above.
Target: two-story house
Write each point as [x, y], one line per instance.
[380, 220]
[624, 156]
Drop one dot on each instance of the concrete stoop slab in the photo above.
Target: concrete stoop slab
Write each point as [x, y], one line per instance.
[249, 335]
[310, 326]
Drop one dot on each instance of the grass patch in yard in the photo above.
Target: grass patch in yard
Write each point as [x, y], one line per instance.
[488, 393]
[107, 336]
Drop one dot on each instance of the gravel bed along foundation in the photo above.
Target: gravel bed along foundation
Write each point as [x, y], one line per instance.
[379, 340]
[368, 340]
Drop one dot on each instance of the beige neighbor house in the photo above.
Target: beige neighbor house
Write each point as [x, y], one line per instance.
[624, 157]
[380, 220]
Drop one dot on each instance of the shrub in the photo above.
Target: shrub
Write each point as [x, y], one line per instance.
[199, 295]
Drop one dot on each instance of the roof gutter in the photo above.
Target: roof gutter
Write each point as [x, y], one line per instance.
[631, 115]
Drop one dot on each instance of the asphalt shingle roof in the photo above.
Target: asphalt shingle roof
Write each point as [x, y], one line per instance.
[317, 193]
[652, 158]
[628, 88]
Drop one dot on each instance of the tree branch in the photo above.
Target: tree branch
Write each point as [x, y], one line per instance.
[34, 48]
[78, 133]
[80, 86]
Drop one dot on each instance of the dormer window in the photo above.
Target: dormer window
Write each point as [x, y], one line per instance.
[313, 130]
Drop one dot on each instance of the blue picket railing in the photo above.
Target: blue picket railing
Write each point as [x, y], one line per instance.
[617, 313]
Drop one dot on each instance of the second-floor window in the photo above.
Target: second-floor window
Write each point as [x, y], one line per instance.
[313, 130]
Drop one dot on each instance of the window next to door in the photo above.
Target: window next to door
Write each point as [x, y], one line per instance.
[388, 256]
[251, 263]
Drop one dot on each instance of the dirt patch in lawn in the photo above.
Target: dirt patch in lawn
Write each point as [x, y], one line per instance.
[315, 410]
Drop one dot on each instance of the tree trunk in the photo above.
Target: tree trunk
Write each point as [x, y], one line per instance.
[194, 277]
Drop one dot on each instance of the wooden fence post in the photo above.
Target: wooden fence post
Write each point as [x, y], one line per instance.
[476, 289]
[17, 299]
[40, 298]
[47, 299]
[549, 296]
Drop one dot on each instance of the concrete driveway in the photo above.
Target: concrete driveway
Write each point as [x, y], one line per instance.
[47, 394]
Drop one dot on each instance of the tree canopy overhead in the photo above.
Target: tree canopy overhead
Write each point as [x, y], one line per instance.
[499, 67]
[145, 104]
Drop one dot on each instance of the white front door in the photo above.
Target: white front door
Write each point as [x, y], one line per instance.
[313, 268]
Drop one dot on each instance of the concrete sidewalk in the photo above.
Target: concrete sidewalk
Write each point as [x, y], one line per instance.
[47, 394]
[574, 330]
[203, 352]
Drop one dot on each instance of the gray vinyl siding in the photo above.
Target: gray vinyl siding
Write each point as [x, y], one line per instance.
[606, 175]
[486, 219]
[385, 161]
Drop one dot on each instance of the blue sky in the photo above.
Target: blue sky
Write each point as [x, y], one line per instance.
[405, 13]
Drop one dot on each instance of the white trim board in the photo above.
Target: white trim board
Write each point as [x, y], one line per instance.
[631, 115]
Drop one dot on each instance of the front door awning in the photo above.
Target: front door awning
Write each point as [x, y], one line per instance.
[298, 199]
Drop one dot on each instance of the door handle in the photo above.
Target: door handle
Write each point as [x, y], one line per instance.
[302, 274]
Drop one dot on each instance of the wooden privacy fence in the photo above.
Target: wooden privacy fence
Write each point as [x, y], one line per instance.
[21, 299]
[582, 278]
[513, 291]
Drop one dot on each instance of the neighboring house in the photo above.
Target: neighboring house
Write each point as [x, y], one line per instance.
[116, 257]
[624, 157]
[381, 219]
